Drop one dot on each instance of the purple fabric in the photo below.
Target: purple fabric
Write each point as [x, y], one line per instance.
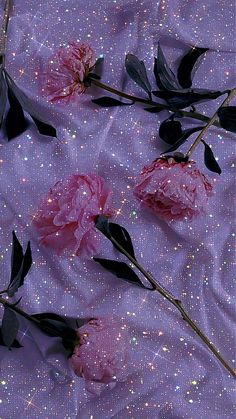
[173, 374]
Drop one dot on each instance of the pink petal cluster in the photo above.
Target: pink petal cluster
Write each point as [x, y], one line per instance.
[102, 356]
[63, 77]
[173, 190]
[65, 219]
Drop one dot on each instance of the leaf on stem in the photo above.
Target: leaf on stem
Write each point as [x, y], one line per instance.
[102, 225]
[180, 99]
[52, 324]
[165, 78]
[154, 109]
[189, 65]
[10, 326]
[21, 264]
[3, 96]
[15, 343]
[44, 128]
[107, 102]
[15, 121]
[98, 67]
[209, 159]
[116, 232]
[137, 72]
[120, 269]
[227, 117]
[30, 107]
[121, 235]
[170, 131]
[185, 134]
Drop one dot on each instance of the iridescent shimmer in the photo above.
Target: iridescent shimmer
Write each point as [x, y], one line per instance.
[195, 261]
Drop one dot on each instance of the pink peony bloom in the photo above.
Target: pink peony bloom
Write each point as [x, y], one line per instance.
[64, 74]
[174, 191]
[65, 219]
[102, 354]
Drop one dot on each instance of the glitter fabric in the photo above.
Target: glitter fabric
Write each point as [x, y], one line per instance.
[174, 375]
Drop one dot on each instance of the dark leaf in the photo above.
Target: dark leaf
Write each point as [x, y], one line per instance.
[18, 280]
[170, 131]
[98, 67]
[165, 77]
[43, 128]
[120, 269]
[188, 66]
[15, 343]
[27, 262]
[27, 104]
[182, 99]
[121, 235]
[16, 256]
[154, 109]
[50, 316]
[227, 117]
[209, 159]
[107, 102]
[3, 96]
[102, 224]
[10, 326]
[52, 324]
[69, 340]
[137, 72]
[15, 121]
[186, 133]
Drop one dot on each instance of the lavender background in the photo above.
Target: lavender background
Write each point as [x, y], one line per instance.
[173, 374]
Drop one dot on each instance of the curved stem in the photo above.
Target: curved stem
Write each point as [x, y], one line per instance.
[193, 115]
[210, 122]
[19, 311]
[178, 304]
[29, 317]
[3, 36]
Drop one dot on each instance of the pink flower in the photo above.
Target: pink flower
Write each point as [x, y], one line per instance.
[102, 354]
[63, 76]
[174, 191]
[65, 219]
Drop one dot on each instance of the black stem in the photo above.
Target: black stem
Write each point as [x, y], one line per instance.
[178, 304]
[193, 115]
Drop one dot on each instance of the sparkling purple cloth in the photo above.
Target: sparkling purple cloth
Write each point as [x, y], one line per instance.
[173, 375]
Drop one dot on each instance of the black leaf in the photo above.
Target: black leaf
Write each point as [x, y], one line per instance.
[102, 225]
[170, 131]
[209, 159]
[227, 117]
[15, 343]
[120, 269]
[107, 102]
[165, 77]
[186, 133]
[3, 96]
[43, 128]
[98, 67]
[15, 121]
[28, 105]
[180, 99]
[137, 72]
[154, 109]
[189, 65]
[121, 235]
[18, 280]
[10, 326]
[16, 256]
[70, 340]
[52, 324]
